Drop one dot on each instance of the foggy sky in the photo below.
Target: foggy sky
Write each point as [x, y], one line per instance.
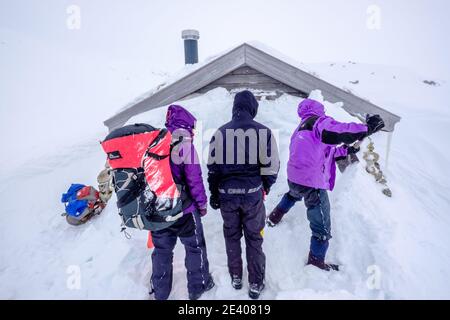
[413, 33]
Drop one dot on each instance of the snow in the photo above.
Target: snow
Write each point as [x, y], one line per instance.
[404, 238]
[177, 76]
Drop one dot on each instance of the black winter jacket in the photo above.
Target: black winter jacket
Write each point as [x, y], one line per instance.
[243, 153]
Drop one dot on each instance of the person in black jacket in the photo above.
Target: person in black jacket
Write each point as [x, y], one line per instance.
[243, 164]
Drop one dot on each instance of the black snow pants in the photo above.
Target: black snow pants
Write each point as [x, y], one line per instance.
[189, 230]
[244, 214]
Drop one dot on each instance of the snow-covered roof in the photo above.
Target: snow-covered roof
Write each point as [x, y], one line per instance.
[257, 56]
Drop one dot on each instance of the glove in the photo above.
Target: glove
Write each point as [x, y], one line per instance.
[214, 201]
[203, 212]
[353, 150]
[374, 123]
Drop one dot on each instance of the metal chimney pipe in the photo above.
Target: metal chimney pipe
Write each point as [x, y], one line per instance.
[190, 38]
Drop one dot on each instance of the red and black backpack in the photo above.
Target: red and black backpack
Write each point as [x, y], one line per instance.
[147, 196]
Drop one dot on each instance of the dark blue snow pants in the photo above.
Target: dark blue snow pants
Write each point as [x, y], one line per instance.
[244, 214]
[318, 212]
[317, 204]
[190, 231]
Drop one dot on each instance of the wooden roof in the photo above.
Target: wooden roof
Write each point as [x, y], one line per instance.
[247, 55]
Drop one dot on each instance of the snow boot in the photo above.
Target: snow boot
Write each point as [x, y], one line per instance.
[275, 217]
[152, 290]
[255, 290]
[236, 282]
[320, 263]
[208, 286]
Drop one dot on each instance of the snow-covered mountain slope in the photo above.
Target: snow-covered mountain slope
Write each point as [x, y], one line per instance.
[404, 239]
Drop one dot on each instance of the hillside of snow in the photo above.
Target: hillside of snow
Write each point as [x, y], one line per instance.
[405, 238]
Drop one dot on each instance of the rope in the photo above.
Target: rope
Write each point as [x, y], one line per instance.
[125, 233]
[373, 167]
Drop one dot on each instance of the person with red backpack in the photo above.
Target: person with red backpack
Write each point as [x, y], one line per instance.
[186, 171]
[159, 187]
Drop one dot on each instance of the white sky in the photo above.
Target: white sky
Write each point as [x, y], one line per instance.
[412, 34]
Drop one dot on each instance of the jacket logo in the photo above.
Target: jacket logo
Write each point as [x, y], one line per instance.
[114, 155]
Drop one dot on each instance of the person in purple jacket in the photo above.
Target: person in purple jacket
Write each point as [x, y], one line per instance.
[186, 172]
[315, 145]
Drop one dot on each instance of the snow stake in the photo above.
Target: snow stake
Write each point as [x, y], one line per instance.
[374, 168]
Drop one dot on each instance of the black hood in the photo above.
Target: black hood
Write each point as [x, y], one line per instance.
[245, 105]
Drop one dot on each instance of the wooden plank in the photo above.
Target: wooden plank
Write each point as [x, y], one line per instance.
[306, 82]
[249, 78]
[246, 79]
[261, 86]
[245, 70]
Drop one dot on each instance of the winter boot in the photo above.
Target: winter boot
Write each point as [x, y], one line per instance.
[236, 282]
[255, 290]
[275, 217]
[320, 263]
[208, 286]
[317, 253]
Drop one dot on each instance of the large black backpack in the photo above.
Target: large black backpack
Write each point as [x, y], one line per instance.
[147, 196]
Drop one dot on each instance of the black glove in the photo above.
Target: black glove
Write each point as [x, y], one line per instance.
[214, 201]
[374, 123]
[353, 150]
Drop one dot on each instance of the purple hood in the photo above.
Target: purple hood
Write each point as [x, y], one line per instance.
[187, 171]
[308, 108]
[178, 117]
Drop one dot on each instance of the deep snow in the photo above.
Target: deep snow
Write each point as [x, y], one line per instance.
[405, 237]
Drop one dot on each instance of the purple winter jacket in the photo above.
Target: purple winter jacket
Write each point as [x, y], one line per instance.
[313, 148]
[186, 165]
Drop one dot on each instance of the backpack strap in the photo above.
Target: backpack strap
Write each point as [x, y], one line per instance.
[158, 138]
[175, 143]
[186, 200]
[156, 156]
